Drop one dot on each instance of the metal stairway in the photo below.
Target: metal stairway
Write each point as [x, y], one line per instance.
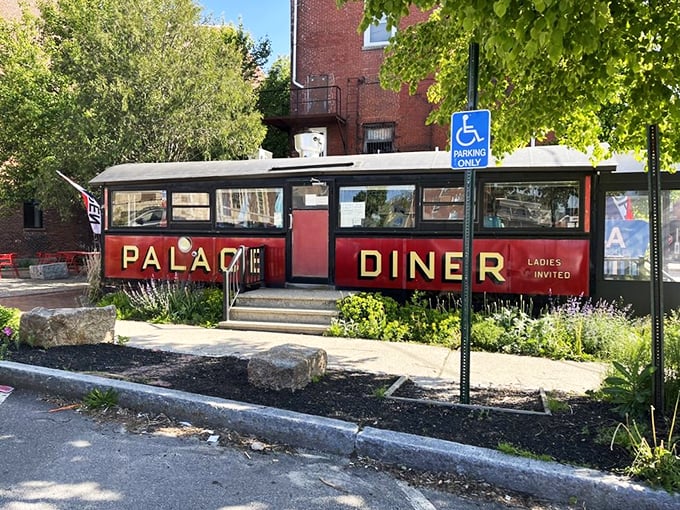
[306, 310]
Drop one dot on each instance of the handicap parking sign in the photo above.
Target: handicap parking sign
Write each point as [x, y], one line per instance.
[470, 135]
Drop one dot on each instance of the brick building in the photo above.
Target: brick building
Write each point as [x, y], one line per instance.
[336, 89]
[24, 227]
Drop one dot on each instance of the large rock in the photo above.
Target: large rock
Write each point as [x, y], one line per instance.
[49, 327]
[286, 367]
[55, 271]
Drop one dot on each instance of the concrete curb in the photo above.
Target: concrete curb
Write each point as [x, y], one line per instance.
[546, 480]
[296, 429]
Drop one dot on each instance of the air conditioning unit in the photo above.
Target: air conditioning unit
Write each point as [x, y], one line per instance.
[310, 145]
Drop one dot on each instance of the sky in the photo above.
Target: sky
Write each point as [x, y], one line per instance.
[262, 18]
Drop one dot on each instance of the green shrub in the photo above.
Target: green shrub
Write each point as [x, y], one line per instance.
[630, 388]
[374, 316]
[9, 329]
[124, 308]
[672, 357]
[430, 323]
[485, 334]
[168, 302]
[656, 462]
[101, 399]
[365, 315]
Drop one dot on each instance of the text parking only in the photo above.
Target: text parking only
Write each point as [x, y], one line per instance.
[470, 134]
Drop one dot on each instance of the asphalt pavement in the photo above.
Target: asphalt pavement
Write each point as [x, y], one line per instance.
[424, 364]
[57, 460]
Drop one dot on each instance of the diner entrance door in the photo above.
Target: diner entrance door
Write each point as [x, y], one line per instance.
[308, 239]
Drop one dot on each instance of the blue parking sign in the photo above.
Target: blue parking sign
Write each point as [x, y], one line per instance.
[470, 136]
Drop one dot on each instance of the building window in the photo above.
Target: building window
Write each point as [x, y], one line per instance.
[378, 138]
[249, 208]
[443, 204]
[33, 216]
[138, 209]
[379, 206]
[553, 204]
[377, 35]
[190, 206]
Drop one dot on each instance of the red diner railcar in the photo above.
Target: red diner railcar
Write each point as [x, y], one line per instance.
[383, 221]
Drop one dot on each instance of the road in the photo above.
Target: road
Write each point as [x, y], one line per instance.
[67, 460]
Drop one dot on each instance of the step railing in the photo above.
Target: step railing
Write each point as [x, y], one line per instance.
[245, 271]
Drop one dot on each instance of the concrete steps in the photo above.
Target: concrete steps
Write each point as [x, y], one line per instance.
[307, 310]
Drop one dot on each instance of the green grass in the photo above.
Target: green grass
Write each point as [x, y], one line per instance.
[511, 449]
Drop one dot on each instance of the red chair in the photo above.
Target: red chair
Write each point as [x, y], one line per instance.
[46, 257]
[9, 260]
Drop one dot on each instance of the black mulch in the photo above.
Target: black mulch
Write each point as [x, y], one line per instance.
[578, 434]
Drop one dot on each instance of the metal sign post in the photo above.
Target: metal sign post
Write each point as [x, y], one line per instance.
[656, 264]
[470, 136]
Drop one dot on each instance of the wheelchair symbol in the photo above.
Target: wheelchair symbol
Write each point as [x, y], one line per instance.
[466, 129]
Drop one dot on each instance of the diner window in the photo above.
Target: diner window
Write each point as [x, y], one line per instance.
[187, 206]
[527, 205]
[626, 236]
[377, 35]
[138, 209]
[33, 215]
[376, 206]
[378, 138]
[443, 204]
[249, 208]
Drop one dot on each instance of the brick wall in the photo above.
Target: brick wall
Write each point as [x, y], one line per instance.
[72, 233]
[328, 44]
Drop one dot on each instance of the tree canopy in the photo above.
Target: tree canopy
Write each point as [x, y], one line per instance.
[588, 72]
[274, 101]
[85, 85]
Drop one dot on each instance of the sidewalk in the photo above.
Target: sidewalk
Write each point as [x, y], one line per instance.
[424, 363]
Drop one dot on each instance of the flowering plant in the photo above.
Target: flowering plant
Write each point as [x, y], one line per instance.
[9, 328]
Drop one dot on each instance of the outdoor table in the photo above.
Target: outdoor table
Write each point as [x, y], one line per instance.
[75, 259]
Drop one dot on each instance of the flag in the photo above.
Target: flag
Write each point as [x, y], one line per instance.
[94, 211]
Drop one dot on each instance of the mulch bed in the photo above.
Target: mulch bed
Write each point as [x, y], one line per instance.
[577, 434]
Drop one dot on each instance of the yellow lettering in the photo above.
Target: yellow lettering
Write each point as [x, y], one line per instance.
[492, 264]
[452, 260]
[130, 254]
[394, 270]
[415, 262]
[173, 265]
[364, 272]
[151, 259]
[200, 260]
[224, 253]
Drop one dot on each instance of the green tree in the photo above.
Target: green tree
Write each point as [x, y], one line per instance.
[85, 85]
[274, 101]
[546, 66]
[254, 55]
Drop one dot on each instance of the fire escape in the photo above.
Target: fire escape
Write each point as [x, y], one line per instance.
[311, 107]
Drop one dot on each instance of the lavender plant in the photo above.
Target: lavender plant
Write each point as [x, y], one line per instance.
[590, 330]
[179, 302]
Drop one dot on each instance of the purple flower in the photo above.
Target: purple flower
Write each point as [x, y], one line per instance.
[8, 331]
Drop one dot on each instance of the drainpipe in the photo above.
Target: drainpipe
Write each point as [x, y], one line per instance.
[294, 49]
